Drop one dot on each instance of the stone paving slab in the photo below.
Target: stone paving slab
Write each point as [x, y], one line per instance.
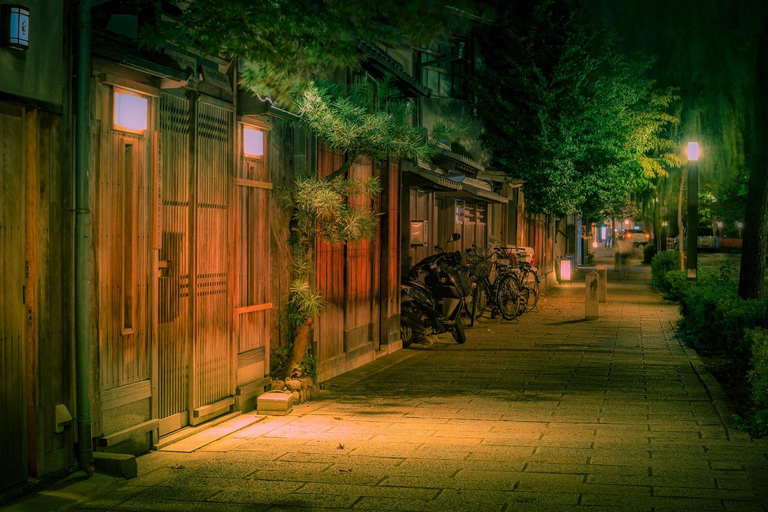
[550, 412]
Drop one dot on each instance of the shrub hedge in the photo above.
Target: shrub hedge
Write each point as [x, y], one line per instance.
[661, 264]
[649, 251]
[715, 320]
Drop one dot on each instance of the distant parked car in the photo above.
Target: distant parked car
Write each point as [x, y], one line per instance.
[638, 236]
[705, 238]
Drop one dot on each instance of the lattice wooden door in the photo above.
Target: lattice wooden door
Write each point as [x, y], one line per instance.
[174, 317]
[212, 356]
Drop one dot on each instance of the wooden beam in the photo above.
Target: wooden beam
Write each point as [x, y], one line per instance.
[251, 309]
[253, 183]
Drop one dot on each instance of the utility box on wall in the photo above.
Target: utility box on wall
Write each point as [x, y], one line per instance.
[420, 233]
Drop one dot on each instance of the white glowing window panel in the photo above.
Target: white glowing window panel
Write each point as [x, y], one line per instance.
[130, 111]
[253, 143]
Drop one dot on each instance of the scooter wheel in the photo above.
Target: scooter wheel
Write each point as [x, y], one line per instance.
[458, 331]
[407, 335]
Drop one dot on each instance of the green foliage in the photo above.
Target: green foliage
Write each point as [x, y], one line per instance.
[756, 425]
[284, 44]
[649, 251]
[661, 264]
[309, 366]
[676, 284]
[757, 340]
[278, 358]
[714, 318]
[371, 118]
[565, 110]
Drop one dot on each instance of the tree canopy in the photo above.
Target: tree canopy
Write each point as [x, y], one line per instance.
[565, 110]
[285, 44]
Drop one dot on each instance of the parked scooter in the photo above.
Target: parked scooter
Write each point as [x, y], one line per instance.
[434, 306]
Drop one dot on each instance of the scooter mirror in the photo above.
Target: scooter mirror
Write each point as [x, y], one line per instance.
[455, 236]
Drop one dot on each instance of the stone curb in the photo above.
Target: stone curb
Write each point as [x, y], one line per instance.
[715, 391]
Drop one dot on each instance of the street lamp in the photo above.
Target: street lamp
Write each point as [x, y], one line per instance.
[739, 225]
[693, 152]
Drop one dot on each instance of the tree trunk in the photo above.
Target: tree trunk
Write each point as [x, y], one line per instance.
[300, 342]
[751, 278]
[680, 228]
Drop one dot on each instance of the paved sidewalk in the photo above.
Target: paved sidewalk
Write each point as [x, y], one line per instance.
[548, 413]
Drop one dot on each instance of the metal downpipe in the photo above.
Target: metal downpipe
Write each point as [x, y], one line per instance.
[83, 236]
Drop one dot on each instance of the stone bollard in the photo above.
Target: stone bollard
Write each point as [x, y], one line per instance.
[591, 289]
[602, 284]
[617, 260]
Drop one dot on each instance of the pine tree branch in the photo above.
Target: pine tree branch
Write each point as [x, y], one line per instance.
[351, 157]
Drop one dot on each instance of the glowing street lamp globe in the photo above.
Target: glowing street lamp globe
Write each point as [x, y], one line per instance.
[693, 151]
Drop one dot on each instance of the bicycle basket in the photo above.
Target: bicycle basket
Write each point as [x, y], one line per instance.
[479, 266]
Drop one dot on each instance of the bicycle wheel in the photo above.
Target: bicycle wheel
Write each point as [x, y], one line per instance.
[479, 301]
[532, 283]
[509, 297]
[524, 297]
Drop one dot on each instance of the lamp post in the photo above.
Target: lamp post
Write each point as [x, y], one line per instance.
[739, 225]
[692, 151]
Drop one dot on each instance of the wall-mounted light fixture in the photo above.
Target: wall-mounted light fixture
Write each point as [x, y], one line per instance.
[14, 26]
[130, 111]
[253, 143]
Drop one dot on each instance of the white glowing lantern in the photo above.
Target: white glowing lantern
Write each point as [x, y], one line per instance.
[253, 143]
[693, 151]
[565, 270]
[130, 112]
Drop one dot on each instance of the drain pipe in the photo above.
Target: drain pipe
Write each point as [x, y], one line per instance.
[83, 237]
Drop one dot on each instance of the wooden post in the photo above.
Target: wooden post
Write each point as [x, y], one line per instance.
[602, 284]
[591, 287]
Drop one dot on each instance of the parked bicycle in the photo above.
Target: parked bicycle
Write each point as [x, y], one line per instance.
[504, 295]
[528, 276]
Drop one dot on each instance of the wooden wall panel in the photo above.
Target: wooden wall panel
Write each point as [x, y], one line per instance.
[53, 318]
[253, 305]
[12, 309]
[212, 355]
[174, 315]
[330, 279]
[123, 229]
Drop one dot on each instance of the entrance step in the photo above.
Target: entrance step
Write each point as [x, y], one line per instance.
[190, 439]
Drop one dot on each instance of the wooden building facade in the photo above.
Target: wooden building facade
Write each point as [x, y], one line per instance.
[36, 265]
[181, 206]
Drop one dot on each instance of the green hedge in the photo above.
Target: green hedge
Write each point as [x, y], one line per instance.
[758, 375]
[757, 423]
[661, 264]
[715, 318]
[649, 251]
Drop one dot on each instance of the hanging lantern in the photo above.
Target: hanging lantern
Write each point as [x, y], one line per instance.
[14, 31]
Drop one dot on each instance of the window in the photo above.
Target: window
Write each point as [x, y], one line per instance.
[253, 142]
[128, 235]
[444, 68]
[130, 112]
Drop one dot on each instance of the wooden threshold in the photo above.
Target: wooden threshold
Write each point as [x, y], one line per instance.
[124, 435]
